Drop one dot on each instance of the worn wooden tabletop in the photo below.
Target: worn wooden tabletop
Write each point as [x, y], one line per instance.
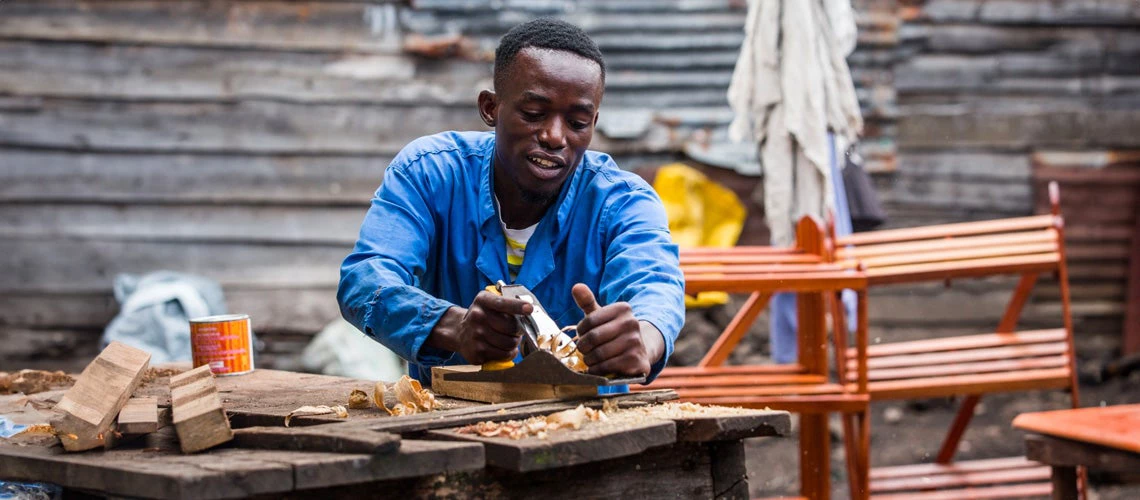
[659, 437]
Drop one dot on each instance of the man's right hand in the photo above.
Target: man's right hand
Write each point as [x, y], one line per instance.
[486, 331]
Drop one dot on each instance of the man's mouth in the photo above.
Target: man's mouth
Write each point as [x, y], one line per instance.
[543, 163]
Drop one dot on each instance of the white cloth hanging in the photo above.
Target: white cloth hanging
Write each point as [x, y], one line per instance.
[790, 86]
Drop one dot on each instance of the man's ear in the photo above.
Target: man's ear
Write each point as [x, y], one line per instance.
[488, 107]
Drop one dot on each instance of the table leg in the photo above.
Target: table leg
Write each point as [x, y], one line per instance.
[1064, 482]
[815, 456]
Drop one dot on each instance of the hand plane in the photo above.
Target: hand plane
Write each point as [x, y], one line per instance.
[538, 365]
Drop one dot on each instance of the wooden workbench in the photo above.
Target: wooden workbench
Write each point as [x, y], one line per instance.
[676, 454]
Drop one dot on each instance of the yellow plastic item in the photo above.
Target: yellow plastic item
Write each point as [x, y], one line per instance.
[701, 213]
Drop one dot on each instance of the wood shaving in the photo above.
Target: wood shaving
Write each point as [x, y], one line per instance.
[563, 347]
[358, 400]
[33, 381]
[306, 411]
[538, 426]
[411, 396]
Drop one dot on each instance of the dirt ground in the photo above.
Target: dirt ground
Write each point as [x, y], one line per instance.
[908, 432]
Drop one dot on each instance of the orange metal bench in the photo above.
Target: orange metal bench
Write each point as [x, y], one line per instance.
[804, 387]
[1001, 361]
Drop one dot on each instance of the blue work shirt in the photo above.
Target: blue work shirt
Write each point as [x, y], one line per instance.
[432, 240]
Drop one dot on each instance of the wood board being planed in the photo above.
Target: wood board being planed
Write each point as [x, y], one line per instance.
[496, 392]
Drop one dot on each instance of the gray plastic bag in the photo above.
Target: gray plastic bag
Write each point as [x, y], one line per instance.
[156, 309]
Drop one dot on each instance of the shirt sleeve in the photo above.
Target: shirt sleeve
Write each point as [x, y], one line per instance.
[642, 266]
[378, 290]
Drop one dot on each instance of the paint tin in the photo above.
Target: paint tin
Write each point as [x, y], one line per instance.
[225, 342]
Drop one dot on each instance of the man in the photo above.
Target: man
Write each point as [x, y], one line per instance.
[527, 204]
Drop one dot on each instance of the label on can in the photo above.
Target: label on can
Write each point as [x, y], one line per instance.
[225, 342]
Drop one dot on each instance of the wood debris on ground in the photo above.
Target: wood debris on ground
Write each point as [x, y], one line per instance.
[33, 381]
[411, 396]
[358, 400]
[538, 426]
[307, 411]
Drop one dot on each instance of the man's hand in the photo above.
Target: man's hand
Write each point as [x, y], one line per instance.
[486, 331]
[611, 340]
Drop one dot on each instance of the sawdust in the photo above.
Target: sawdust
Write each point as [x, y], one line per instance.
[154, 373]
[538, 426]
[33, 381]
[675, 410]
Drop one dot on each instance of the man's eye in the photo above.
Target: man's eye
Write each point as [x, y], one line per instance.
[576, 125]
[529, 116]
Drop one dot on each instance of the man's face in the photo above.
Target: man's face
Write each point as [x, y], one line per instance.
[544, 116]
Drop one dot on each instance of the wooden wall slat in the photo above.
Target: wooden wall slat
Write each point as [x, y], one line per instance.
[40, 177]
[206, 224]
[57, 264]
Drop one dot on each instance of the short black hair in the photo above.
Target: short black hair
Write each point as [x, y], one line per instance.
[545, 33]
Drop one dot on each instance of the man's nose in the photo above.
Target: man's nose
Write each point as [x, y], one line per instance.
[553, 135]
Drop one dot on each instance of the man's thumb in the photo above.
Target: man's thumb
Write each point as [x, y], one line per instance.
[585, 298]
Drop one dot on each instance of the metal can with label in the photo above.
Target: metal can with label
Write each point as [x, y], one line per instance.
[225, 342]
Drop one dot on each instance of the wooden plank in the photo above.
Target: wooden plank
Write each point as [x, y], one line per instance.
[1110, 426]
[33, 176]
[1057, 451]
[1024, 490]
[943, 244]
[979, 478]
[246, 265]
[963, 269]
[160, 471]
[315, 438]
[1130, 344]
[966, 342]
[139, 416]
[91, 405]
[957, 467]
[264, 397]
[966, 356]
[331, 226]
[594, 441]
[109, 71]
[261, 127]
[492, 392]
[336, 26]
[730, 475]
[947, 230]
[197, 411]
[1002, 365]
[968, 254]
[84, 314]
[702, 429]
[738, 380]
[958, 385]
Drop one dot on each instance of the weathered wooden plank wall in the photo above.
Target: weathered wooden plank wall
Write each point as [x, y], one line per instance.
[242, 139]
[985, 87]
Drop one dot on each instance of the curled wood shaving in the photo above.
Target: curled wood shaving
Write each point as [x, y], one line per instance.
[563, 347]
[340, 412]
[358, 400]
[539, 426]
[411, 396]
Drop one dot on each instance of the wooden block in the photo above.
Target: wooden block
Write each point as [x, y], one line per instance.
[496, 392]
[139, 416]
[198, 416]
[91, 405]
[315, 438]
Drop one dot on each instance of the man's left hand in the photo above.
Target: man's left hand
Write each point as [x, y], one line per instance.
[612, 340]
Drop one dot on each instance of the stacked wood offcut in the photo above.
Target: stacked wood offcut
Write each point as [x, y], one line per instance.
[98, 411]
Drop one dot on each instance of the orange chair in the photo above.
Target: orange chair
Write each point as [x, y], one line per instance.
[968, 366]
[804, 387]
